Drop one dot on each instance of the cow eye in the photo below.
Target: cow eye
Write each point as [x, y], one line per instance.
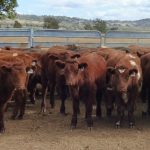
[127, 77]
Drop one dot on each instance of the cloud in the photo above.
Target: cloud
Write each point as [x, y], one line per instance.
[90, 9]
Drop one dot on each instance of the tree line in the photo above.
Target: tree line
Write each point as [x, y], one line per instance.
[7, 10]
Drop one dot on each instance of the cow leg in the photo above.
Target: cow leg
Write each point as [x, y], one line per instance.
[74, 92]
[2, 128]
[120, 113]
[63, 96]
[109, 103]
[75, 112]
[22, 105]
[2, 110]
[98, 99]
[89, 113]
[44, 92]
[131, 118]
[31, 89]
[32, 95]
[144, 93]
[52, 91]
[17, 105]
[144, 98]
[148, 109]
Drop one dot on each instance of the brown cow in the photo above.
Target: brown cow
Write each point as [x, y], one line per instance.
[49, 78]
[12, 80]
[124, 79]
[20, 94]
[85, 78]
[135, 49]
[145, 93]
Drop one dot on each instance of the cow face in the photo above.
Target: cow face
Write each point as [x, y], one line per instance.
[122, 80]
[72, 70]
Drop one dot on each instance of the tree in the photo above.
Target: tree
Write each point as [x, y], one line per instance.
[17, 24]
[7, 8]
[88, 26]
[100, 25]
[51, 23]
[114, 28]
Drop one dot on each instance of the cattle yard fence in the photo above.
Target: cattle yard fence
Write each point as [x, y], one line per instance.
[46, 38]
[26, 38]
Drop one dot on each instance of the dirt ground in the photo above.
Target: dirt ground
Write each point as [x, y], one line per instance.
[52, 132]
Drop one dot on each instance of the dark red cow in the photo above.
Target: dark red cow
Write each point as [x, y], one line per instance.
[124, 78]
[86, 79]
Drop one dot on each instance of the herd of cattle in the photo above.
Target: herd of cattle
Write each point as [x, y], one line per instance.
[118, 76]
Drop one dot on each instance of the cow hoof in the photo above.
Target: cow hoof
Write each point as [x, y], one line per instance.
[20, 117]
[52, 106]
[2, 130]
[43, 110]
[90, 128]
[13, 117]
[74, 122]
[72, 127]
[79, 111]
[131, 125]
[118, 124]
[98, 117]
[109, 113]
[62, 110]
[65, 114]
[144, 114]
[148, 113]
[32, 102]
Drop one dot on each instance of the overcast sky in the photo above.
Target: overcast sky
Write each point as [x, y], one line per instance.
[88, 9]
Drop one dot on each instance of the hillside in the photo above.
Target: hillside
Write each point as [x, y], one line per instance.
[33, 21]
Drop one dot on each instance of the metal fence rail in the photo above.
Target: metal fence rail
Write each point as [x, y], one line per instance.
[122, 38]
[15, 37]
[48, 38]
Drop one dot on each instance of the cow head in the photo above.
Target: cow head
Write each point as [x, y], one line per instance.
[72, 70]
[122, 80]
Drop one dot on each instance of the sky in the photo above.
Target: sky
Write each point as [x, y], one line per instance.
[87, 9]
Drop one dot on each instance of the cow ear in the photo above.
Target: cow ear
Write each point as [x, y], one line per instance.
[139, 54]
[82, 66]
[75, 56]
[111, 70]
[60, 64]
[133, 72]
[53, 57]
[6, 68]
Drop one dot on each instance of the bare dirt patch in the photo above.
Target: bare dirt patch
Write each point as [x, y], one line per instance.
[52, 132]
